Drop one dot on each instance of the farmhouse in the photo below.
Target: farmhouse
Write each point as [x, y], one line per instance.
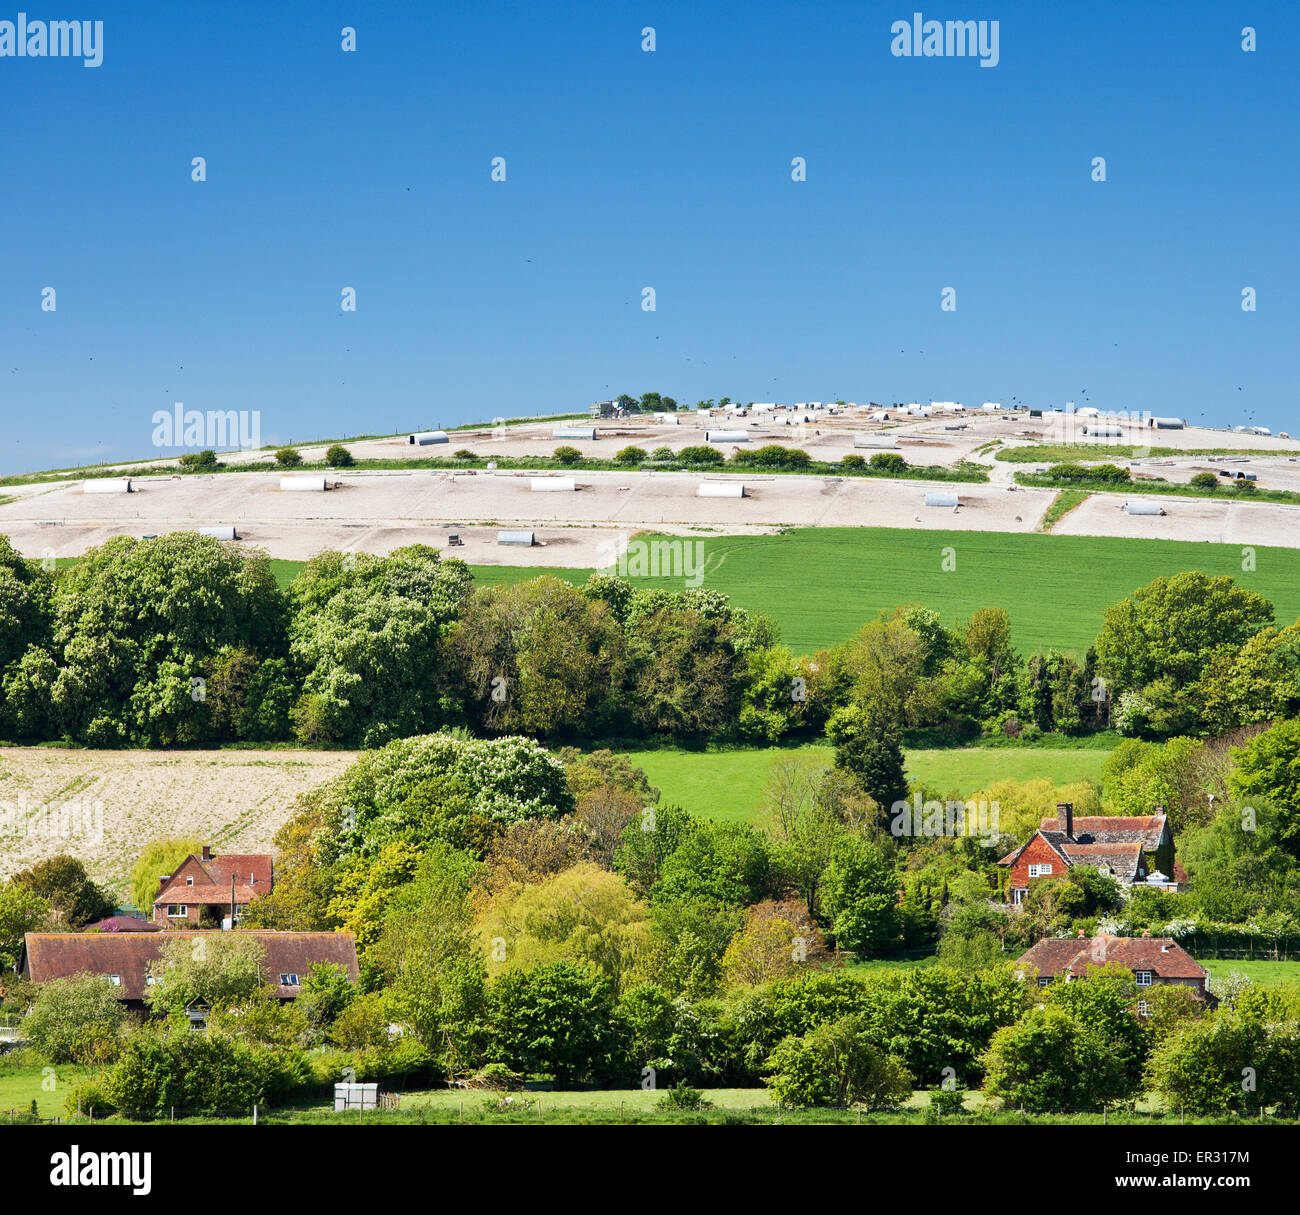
[1127, 849]
[205, 889]
[124, 958]
[1154, 961]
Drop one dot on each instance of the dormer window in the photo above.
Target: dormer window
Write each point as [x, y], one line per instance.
[115, 980]
[1144, 977]
[289, 980]
[189, 881]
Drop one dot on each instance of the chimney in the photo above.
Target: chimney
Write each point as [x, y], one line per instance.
[1065, 818]
[1160, 807]
[207, 853]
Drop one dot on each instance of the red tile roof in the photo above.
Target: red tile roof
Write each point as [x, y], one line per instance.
[1074, 955]
[57, 955]
[253, 875]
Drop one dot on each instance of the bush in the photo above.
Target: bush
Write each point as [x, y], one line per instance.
[199, 460]
[853, 461]
[946, 1102]
[567, 456]
[1205, 480]
[288, 457]
[662, 453]
[464, 453]
[682, 1097]
[338, 456]
[89, 1098]
[701, 455]
[888, 462]
[630, 456]
[837, 1064]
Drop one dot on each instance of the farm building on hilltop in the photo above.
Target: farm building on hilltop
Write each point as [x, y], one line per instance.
[1154, 961]
[124, 958]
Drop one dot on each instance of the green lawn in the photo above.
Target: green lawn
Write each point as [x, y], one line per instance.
[729, 785]
[1258, 970]
[19, 1086]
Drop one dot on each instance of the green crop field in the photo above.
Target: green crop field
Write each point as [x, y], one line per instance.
[729, 785]
[821, 585]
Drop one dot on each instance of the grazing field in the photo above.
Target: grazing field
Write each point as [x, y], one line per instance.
[1264, 971]
[821, 584]
[102, 806]
[729, 785]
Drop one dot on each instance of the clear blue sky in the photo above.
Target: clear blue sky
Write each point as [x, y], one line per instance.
[628, 169]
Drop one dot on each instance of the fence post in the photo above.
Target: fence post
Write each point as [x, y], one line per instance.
[254, 1113]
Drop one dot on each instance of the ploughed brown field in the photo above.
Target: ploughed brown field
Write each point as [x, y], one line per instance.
[103, 806]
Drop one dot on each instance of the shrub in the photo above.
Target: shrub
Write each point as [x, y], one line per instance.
[888, 462]
[338, 456]
[853, 461]
[701, 455]
[662, 453]
[90, 1098]
[288, 457]
[682, 1097]
[1205, 480]
[199, 459]
[630, 456]
[837, 1064]
[567, 456]
[464, 453]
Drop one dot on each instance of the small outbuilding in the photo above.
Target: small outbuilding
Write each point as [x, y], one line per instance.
[425, 437]
[107, 485]
[942, 498]
[720, 489]
[1144, 508]
[225, 532]
[552, 485]
[1166, 423]
[876, 441]
[519, 539]
[726, 436]
[585, 433]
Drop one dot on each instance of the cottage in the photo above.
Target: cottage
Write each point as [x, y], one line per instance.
[207, 889]
[124, 958]
[1154, 961]
[1130, 850]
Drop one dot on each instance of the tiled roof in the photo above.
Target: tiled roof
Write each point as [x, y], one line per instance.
[122, 923]
[57, 955]
[1106, 828]
[1074, 955]
[253, 875]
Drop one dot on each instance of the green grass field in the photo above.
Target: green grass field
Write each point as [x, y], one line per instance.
[729, 785]
[821, 585]
[1265, 971]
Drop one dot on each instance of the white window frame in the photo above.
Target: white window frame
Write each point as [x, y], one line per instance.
[1042, 870]
[189, 881]
[290, 979]
[1044, 980]
[178, 911]
[115, 980]
[1144, 978]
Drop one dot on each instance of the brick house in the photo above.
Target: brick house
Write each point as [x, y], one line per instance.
[124, 958]
[206, 889]
[1132, 850]
[1154, 961]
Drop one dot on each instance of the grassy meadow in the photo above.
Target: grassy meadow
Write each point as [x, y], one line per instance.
[729, 785]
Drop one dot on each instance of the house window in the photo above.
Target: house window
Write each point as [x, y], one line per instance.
[1144, 1008]
[115, 980]
[177, 911]
[1040, 870]
[289, 981]
[189, 881]
[1044, 980]
[149, 980]
[1144, 977]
